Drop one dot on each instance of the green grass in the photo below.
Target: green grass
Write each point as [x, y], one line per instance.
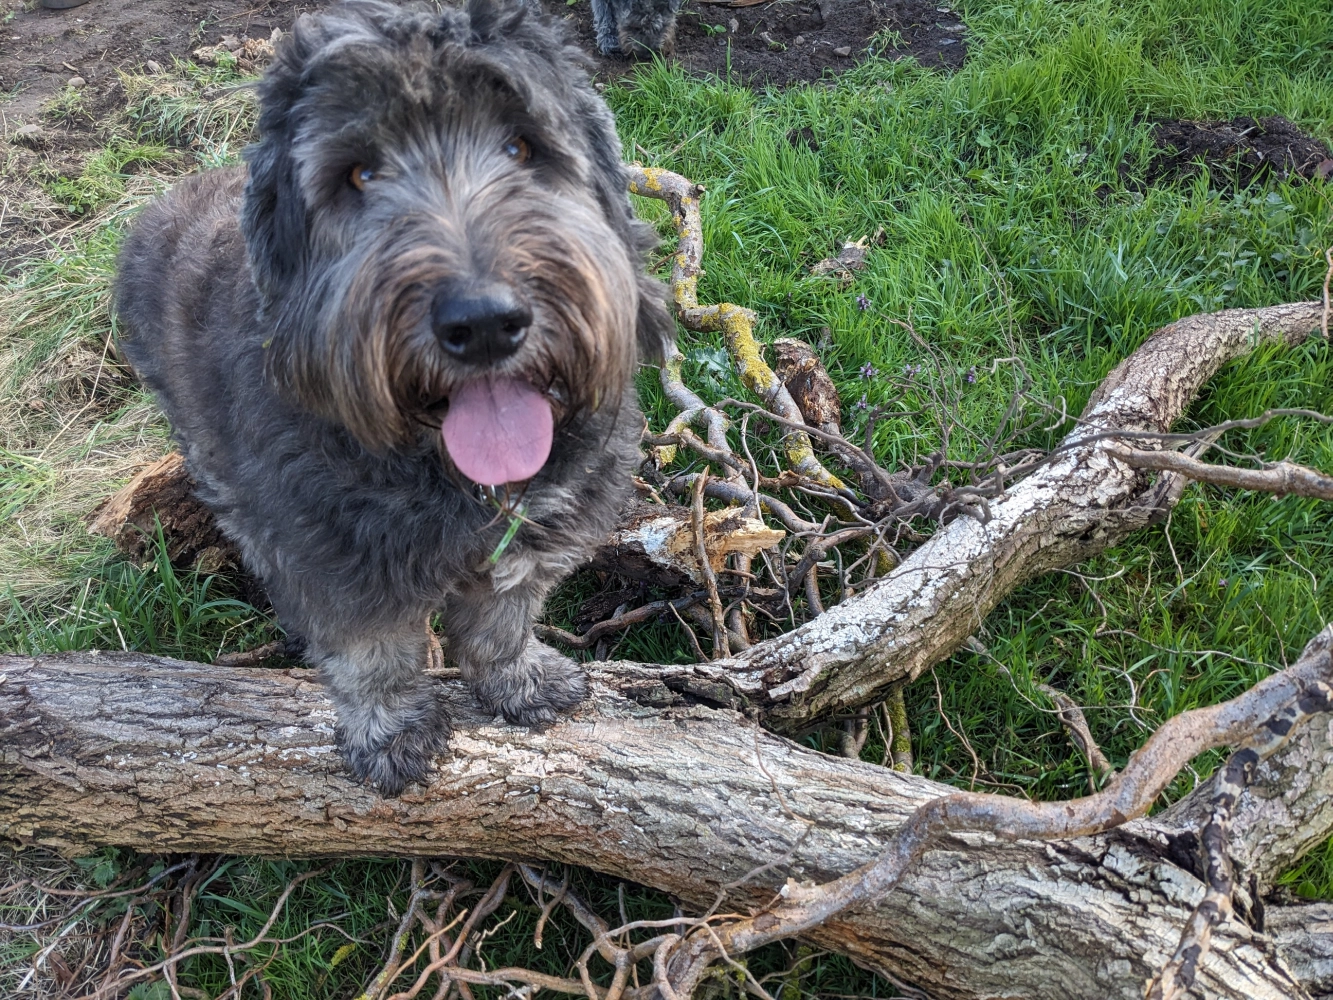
[102, 181]
[1015, 221]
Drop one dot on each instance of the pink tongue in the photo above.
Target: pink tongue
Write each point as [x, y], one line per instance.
[498, 431]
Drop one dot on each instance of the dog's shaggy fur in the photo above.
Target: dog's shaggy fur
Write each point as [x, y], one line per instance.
[293, 319]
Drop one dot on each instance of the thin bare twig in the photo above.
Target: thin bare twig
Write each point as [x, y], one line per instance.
[1076, 724]
[1281, 478]
[721, 644]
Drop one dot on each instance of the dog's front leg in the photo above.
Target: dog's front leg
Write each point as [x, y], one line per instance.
[604, 22]
[490, 638]
[391, 718]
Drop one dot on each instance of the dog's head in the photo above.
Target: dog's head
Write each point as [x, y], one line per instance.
[437, 222]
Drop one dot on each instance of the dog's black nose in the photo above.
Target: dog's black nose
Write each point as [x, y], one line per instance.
[482, 324]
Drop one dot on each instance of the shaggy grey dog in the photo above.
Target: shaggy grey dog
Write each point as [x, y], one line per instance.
[398, 352]
[635, 27]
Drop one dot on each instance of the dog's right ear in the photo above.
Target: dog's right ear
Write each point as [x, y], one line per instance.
[273, 216]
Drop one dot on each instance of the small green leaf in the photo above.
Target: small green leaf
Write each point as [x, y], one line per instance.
[150, 991]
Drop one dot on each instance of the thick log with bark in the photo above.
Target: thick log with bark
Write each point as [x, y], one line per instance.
[157, 754]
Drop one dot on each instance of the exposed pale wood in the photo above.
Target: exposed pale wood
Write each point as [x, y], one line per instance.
[658, 542]
[1081, 502]
[652, 542]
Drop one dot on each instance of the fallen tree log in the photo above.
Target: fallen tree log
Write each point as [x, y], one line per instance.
[163, 755]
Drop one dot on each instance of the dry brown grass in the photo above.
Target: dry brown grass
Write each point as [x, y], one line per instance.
[74, 422]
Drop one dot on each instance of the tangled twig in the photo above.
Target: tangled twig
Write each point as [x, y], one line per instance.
[888, 502]
[735, 324]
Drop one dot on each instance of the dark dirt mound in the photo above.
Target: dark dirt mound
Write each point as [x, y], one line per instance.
[790, 41]
[40, 50]
[1243, 150]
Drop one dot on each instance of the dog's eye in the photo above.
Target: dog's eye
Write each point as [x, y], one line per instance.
[518, 150]
[360, 176]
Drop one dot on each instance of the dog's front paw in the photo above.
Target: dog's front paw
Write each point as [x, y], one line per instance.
[393, 759]
[532, 690]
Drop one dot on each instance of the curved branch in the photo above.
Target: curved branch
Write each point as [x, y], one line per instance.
[735, 323]
[1078, 504]
[1259, 720]
[1281, 478]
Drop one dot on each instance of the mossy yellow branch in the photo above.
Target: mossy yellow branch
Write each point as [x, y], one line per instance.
[735, 323]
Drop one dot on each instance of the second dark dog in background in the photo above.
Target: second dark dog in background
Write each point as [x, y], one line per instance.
[635, 28]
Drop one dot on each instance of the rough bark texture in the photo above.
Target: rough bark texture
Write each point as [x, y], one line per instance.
[1289, 808]
[165, 755]
[804, 375]
[647, 783]
[1304, 932]
[1080, 503]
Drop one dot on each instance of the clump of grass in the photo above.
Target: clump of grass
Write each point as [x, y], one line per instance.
[103, 178]
[209, 111]
[152, 608]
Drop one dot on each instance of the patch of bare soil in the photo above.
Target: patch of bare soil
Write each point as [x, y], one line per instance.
[1242, 151]
[41, 50]
[791, 41]
[49, 126]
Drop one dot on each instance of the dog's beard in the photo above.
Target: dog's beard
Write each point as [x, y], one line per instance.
[379, 369]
